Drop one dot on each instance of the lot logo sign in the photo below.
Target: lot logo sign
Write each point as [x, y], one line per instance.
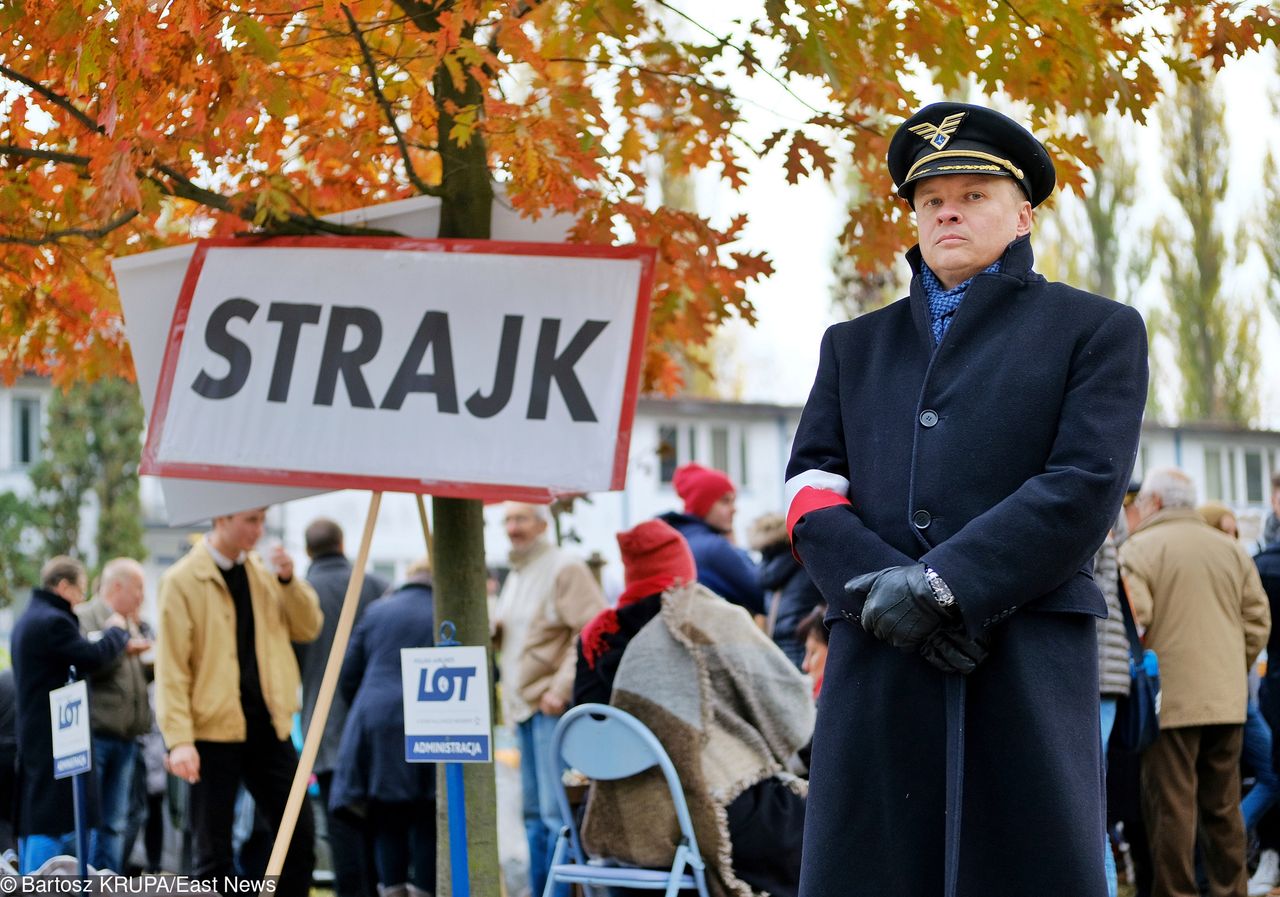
[446, 705]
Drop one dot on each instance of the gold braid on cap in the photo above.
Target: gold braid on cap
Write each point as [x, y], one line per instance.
[966, 154]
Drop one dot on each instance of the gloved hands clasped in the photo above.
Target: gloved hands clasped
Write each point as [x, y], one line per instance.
[901, 608]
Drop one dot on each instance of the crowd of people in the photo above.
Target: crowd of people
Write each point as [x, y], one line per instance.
[727, 683]
[203, 706]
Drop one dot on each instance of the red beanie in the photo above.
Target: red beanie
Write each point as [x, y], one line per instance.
[654, 557]
[700, 487]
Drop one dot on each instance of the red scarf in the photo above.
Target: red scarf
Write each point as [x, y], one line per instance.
[606, 622]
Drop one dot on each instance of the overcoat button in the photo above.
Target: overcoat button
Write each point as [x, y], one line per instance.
[921, 519]
[928, 418]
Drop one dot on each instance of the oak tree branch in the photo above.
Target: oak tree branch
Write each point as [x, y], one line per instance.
[390, 113]
[57, 236]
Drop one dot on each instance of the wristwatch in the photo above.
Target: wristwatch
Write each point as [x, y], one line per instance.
[941, 591]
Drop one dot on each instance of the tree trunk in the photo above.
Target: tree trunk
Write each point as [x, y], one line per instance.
[458, 557]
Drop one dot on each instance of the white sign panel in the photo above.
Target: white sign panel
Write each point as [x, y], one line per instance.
[446, 705]
[473, 369]
[150, 282]
[69, 716]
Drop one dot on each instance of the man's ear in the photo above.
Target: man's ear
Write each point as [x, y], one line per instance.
[1025, 216]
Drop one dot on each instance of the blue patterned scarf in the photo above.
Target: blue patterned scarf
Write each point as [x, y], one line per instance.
[943, 302]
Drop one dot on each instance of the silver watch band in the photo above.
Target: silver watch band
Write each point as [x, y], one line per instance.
[941, 591]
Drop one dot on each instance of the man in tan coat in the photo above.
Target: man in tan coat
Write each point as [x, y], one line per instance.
[227, 687]
[1198, 594]
[547, 599]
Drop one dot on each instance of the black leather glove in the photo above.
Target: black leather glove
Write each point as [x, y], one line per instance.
[950, 649]
[900, 606]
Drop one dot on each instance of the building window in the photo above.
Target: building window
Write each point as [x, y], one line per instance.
[1253, 488]
[725, 446]
[26, 432]
[1213, 474]
[1231, 476]
[720, 448]
[668, 457]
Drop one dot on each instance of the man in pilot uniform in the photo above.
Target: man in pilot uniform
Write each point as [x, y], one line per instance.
[959, 461]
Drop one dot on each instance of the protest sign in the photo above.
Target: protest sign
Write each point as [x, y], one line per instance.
[467, 368]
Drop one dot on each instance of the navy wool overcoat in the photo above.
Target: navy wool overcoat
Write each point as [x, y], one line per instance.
[46, 642]
[999, 459]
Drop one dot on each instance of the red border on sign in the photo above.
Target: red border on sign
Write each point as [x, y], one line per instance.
[151, 465]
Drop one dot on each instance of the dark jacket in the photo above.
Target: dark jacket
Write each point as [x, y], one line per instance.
[722, 568]
[329, 576]
[1000, 460]
[8, 758]
[371, 764]
[798, 596]
[594, 684]
[118, 703]
[1268, 563]
[46, 641]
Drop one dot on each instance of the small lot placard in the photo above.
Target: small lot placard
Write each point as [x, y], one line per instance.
[446, 705]
[69, 716]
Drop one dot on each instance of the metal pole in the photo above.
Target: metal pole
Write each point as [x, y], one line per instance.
[458, 859]
[460, 874]
[79, 801]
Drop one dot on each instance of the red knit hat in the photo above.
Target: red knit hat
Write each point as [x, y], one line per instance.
[700, 487]
[654, 557]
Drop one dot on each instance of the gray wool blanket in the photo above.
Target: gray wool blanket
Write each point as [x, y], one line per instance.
[730, 709]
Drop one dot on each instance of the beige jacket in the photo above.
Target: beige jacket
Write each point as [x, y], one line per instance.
[1199, 595]
[547, 599]
[197, 669]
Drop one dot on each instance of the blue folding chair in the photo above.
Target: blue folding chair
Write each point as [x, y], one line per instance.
[605, 743]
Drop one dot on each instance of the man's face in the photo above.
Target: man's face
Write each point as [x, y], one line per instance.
[1147, 505]
[240, 532]
[72, 592]
[1131, 515]
[720, 515]
[523, 524]
[126, 594]
[966, 221]
[1275, 501]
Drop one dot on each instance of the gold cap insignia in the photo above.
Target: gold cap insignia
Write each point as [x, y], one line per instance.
[939, 135]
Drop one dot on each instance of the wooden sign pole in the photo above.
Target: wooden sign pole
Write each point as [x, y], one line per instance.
[426, 531]
[324, 700]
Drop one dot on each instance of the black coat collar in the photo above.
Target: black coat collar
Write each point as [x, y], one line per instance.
[53, 600]
[1015, 271]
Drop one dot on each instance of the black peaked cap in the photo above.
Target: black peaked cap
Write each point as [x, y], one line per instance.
[961, 138]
